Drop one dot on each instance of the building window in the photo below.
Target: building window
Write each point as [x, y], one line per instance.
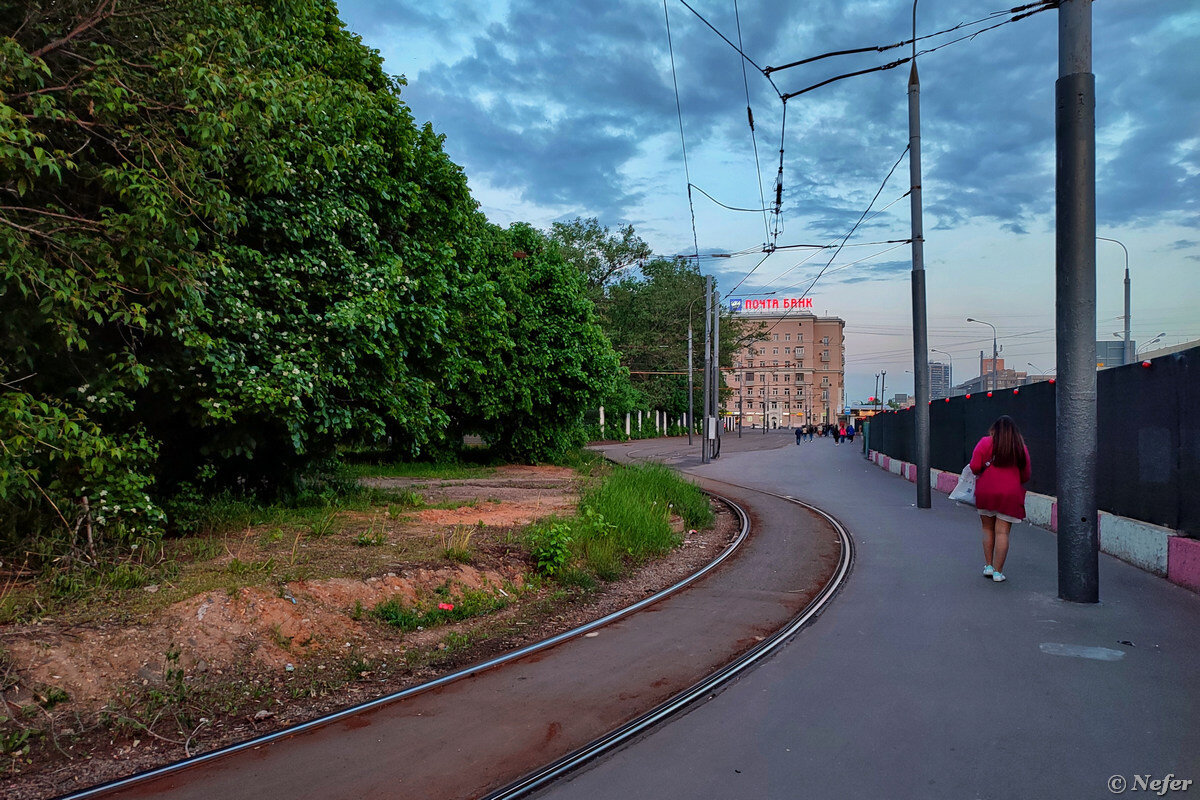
[775, 337]
[787, 337]
[785, 377]
[799, 365]
[825, 395]
[787, 351]
[800, 338]
[775, 363]
[786, 390]
[799, 351]
[824, 340]
[774, 351]
[749, 377]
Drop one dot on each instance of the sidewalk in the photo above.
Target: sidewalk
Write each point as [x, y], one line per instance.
[923, 679]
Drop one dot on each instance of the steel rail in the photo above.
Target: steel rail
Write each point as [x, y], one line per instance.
[270, 738]
[557, 769]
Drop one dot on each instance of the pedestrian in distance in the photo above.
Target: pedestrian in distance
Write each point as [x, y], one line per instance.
[799, 434]
[850, 432]
[1001, 462]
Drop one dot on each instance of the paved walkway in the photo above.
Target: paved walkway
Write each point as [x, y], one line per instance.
[923, 679]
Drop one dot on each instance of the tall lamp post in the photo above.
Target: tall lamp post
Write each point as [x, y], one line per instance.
[1128, 358]
[950, 378]
[1155, 340]
[995, 354]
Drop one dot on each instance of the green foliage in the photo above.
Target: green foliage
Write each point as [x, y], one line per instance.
[468, 603]
[226, 252]
[550, 547]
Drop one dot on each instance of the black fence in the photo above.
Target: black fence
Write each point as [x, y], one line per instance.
[1148, 421]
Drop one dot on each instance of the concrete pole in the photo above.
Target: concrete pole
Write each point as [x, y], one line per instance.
[716, 377]
[691, 416]
[601, 421]
[920, 332]
[1075, 306]
[708, 281]
[627, 415]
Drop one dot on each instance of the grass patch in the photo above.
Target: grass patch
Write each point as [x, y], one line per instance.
[469, 603]
[432, 471]
[625, 519]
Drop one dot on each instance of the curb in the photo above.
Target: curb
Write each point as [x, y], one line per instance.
[1153, 548]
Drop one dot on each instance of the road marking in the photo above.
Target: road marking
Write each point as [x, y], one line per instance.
[1079, 651]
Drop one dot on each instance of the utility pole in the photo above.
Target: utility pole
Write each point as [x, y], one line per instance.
[716, 377]
[708, 297]
[1075, 306]
[691, 416]
[920, 334]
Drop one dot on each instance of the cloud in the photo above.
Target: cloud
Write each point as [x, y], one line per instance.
[571, 106]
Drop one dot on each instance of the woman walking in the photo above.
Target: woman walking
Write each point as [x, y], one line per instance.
[1001, 461]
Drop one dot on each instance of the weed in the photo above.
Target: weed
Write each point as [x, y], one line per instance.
[404, 500]
[369, 539]
[456, 545]
[550, 547]
[50, 696]
[239, 567]
[470, 603]
[324, 524]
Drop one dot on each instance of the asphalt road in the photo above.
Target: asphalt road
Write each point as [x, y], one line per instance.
[923, 679]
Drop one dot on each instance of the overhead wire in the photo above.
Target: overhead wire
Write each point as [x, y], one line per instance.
[750, 118]
[682, 139]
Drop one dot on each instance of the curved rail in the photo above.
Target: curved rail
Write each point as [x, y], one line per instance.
[610, 741]
[269, 738]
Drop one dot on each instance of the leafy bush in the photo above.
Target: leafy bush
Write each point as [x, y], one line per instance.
[550, 548]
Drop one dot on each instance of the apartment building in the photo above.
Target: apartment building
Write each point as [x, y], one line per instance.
[793, 374]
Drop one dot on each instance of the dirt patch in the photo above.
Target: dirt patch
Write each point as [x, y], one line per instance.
[291, 637]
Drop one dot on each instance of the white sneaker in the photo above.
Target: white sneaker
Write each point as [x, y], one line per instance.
[988, 571]
[998, 577]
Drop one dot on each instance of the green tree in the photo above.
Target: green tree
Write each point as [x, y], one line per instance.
[596, 253]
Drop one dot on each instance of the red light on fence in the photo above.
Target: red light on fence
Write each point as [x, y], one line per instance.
[1016, 391]
[968, 397]
[1146, 364]
[1052, 380]
[989, 394]
[947, 399]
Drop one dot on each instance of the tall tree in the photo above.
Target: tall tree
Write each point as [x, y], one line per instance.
[596, 253]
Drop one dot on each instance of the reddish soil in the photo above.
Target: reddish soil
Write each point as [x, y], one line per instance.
[110, 692]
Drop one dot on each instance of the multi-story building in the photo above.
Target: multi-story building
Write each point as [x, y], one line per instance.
[941, 383]
[793, 373]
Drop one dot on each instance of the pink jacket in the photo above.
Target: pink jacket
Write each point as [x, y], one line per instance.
[999, 488]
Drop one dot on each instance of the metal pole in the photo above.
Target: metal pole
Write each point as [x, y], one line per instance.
[920, 331]
[691, 420]
[883, 389]
[716, 376]
[707, 367]
[1129, 354]
[877, 398]
[1075, 306]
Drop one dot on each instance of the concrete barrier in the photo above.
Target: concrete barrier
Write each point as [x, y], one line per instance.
[1150, 547]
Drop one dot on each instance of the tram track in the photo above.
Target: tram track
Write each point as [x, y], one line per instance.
[224, 772]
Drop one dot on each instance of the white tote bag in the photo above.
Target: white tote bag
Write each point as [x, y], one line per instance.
[964, 492]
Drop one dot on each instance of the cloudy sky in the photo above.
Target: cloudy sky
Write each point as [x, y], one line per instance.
[561, 109]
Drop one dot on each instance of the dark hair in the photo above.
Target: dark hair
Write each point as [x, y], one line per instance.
[1008, 448]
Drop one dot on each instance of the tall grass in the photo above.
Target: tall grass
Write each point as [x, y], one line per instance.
[625, 520]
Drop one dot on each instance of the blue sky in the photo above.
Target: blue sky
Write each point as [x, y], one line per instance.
[563, 109]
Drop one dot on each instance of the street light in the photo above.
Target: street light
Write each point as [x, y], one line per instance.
[950, 379]
[995, 354]
[1128, 357]
[1152, 341]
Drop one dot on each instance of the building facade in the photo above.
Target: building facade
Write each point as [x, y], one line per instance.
[941, 382]
[793, 374]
